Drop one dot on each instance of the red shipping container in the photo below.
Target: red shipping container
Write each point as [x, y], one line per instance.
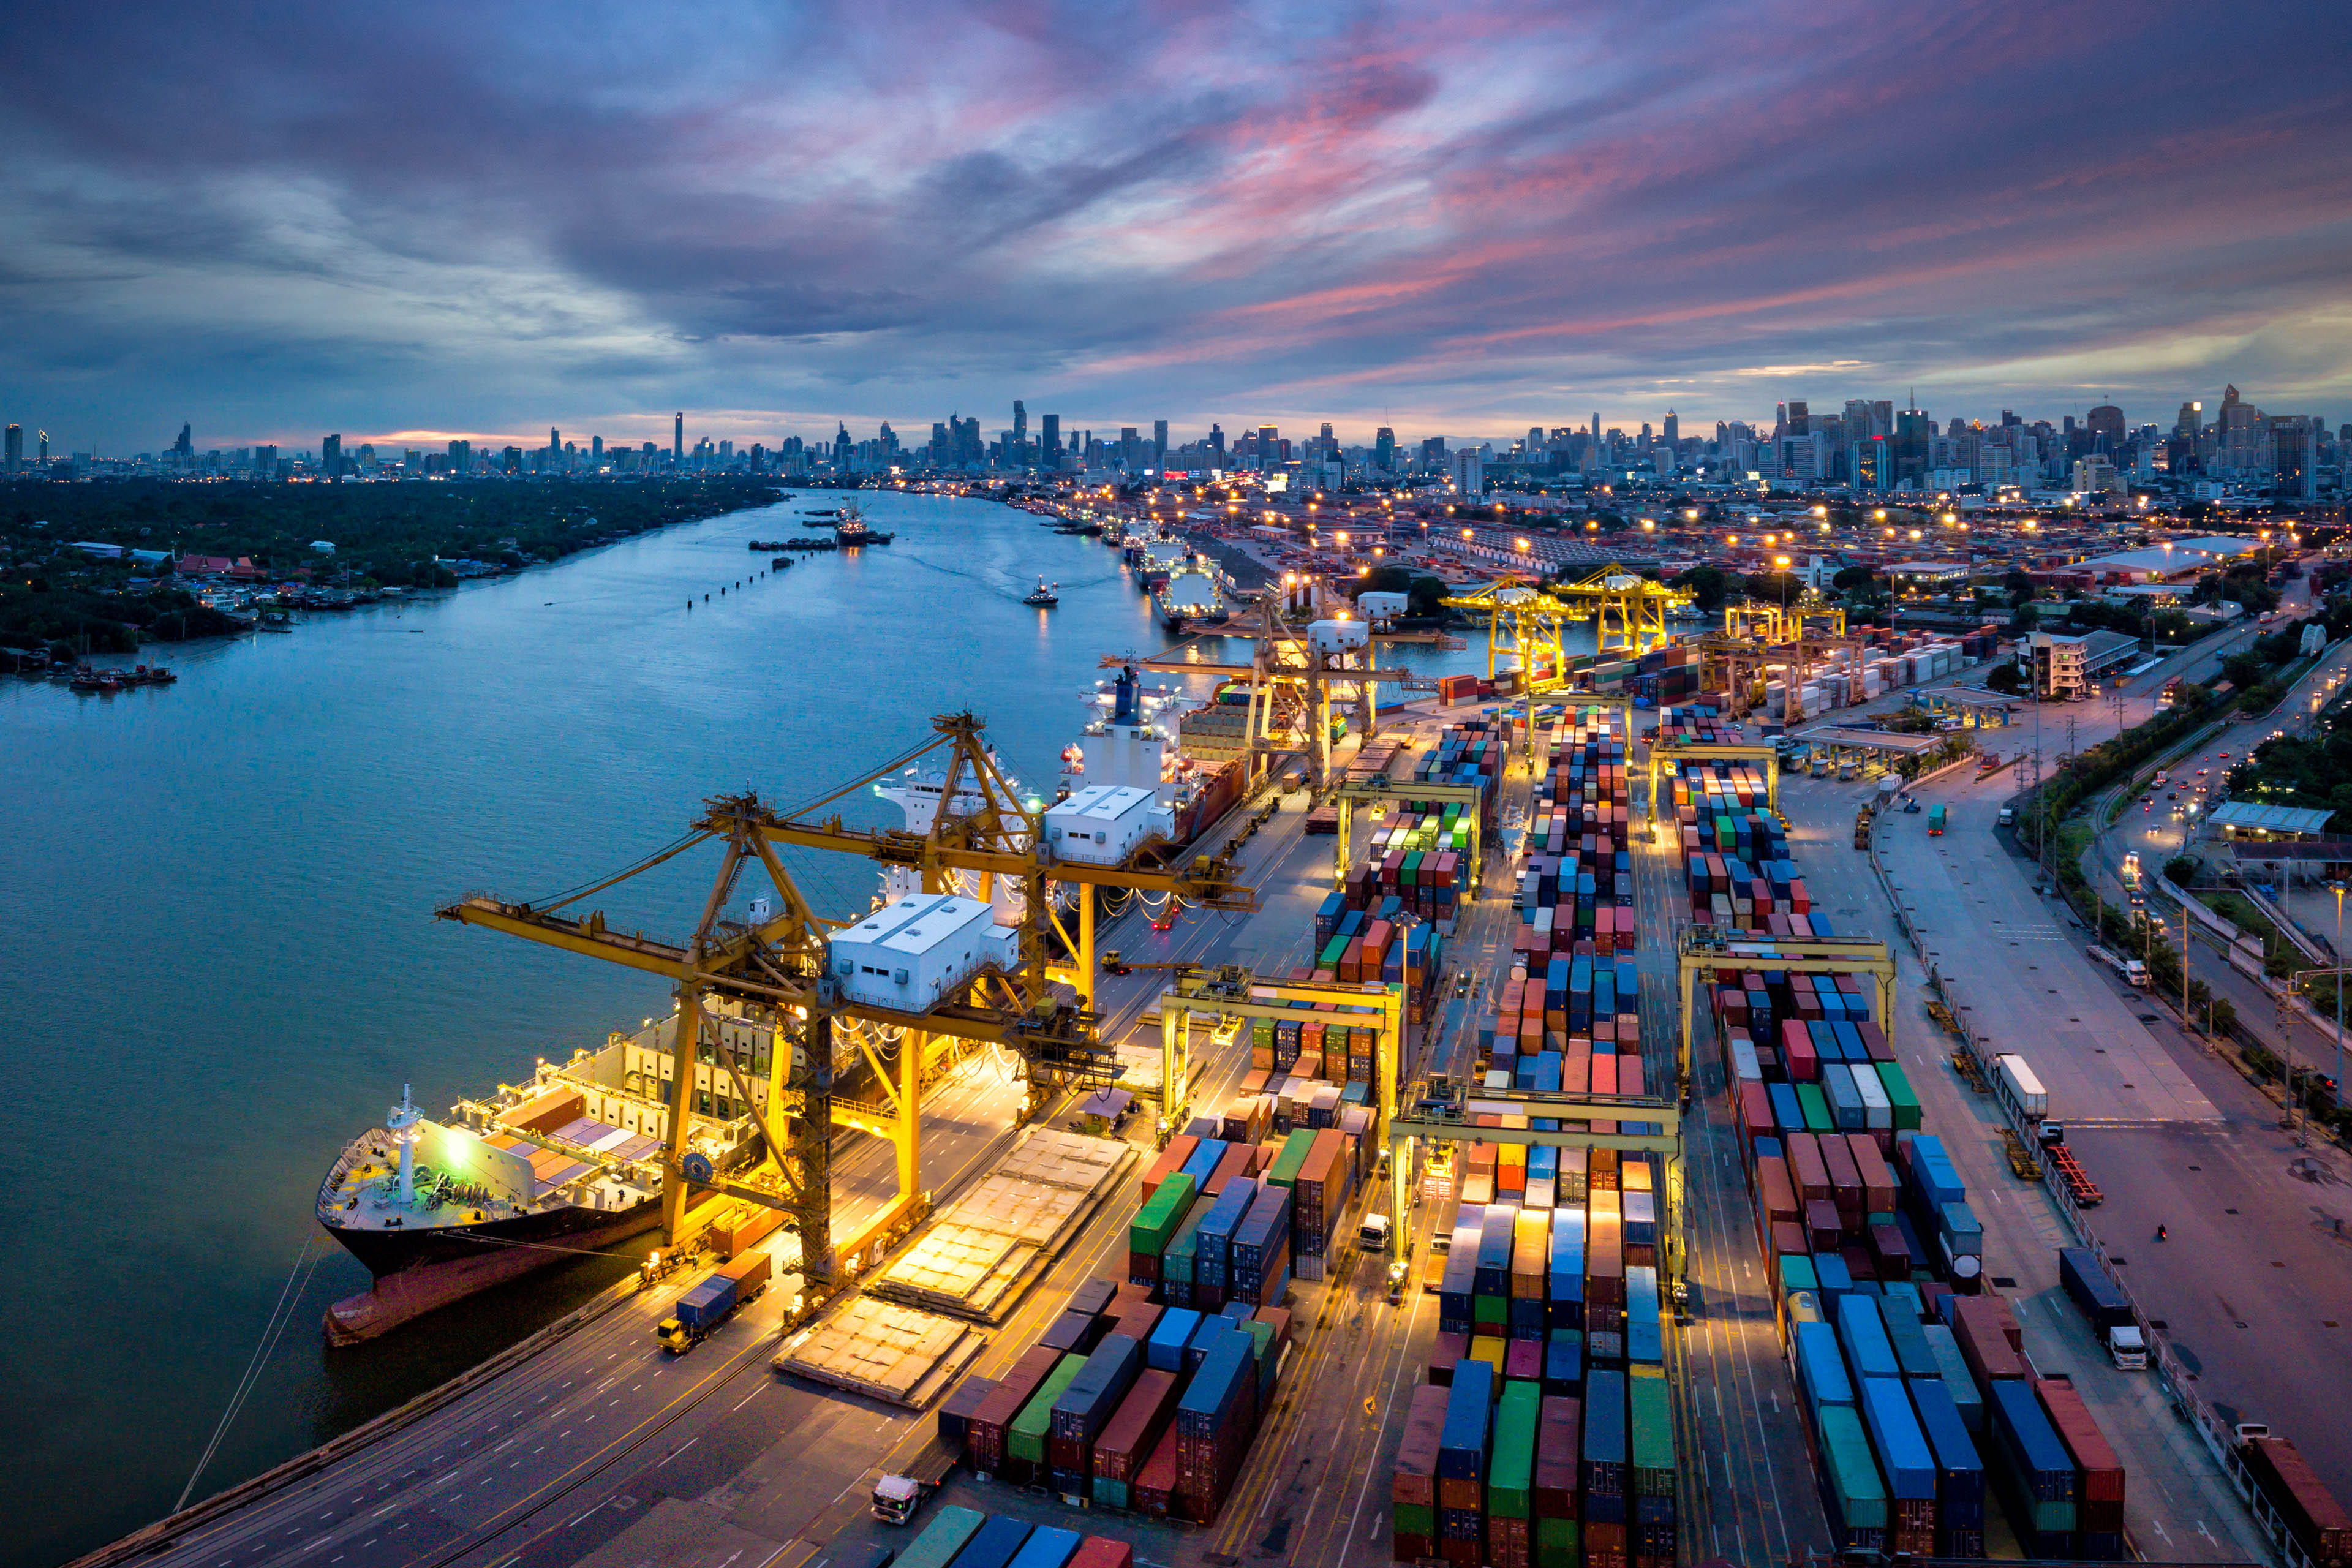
[1155, 1487]
[1172, 1159]
[1101, 1551]
[1774, 1193]
[1134, 1428]
[1414, 1479]
[1797, 1050]
[2094, 1459]
[985, 1434]
[1807, 1172]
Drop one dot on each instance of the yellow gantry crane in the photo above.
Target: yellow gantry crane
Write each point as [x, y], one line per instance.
[1756, 636]
[1295, 676]
[1630, 610]
[773, 964]
[1525, 620]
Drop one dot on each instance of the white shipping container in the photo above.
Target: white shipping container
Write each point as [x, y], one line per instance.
[1878, 1111]
[2014, 1081]
[1744, 1066]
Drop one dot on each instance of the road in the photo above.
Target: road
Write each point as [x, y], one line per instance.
[2139, 1099]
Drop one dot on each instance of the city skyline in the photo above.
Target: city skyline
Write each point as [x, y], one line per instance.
[1474, 221]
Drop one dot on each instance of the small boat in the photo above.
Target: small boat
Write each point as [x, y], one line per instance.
[1044, 597]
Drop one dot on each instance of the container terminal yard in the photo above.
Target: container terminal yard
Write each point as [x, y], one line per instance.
[1512, 1133]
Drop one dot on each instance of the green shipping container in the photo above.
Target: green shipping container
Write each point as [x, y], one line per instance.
[1490, 1310]
[1511, 1472]
[943, 1538]
[1797, 1273]
[1333, 952]
[1816, 1107]
[1651, 1406]
[1853, 1473]
[1556, 1543]
[1414, 1519]
[1411, 871]
[1284, 1173]
[1177, 1262]
[1154, 1225]
[1900, 1095]
[1025, 1438]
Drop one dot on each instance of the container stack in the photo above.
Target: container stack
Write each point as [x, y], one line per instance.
[972, 1540]
[1915, 1384]
[1126, 1402]
[1539, 1459]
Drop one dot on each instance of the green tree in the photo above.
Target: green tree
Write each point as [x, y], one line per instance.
[1851, 577]
[1707, 586]
[2006, 679]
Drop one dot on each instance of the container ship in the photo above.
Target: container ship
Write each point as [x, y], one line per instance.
[1144, 738]
[1192, 596]
[566, 1163]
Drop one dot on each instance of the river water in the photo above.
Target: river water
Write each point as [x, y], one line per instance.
[218, 960]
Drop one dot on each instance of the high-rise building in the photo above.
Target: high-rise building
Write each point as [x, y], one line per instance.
[2295, 456]
[1268, 448]
[942, 448]
[42, 438]
[14, 448]
[330, 456]
[461, 457]
[678, 438]
[1384, 450]
[2190, 420]
[1020, 423]
[555, 439]
[1049, 437]
[1914, 429]
[1674, 429]
[1160, 443]
[596, 448]
[1217, 442]
[265, 462]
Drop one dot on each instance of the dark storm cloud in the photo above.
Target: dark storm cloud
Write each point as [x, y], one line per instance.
[432, 214]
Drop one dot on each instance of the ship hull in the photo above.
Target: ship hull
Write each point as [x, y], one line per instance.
[419, 1271]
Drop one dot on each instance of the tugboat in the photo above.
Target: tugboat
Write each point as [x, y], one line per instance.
[1044, 597]
[849, 530]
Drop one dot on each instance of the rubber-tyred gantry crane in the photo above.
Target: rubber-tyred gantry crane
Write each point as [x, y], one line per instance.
[775, 965]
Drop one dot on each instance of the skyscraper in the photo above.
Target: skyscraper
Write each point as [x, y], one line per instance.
[1217, 442]
[264, 461]
[461, 457]
[596, 448]
[330, 456]
[1049, 437]
[1384, 450]
[1160, 443]
[15, 450]
[1268, 451]
[1674, 429]
[555, 439]
[1020, 423]
[185, 448]
[677, 438]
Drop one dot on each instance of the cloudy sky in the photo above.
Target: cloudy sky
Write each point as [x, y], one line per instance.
[419, 220]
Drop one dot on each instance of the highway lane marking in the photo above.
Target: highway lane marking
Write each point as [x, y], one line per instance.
[384, 1509]
[682, 1447]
